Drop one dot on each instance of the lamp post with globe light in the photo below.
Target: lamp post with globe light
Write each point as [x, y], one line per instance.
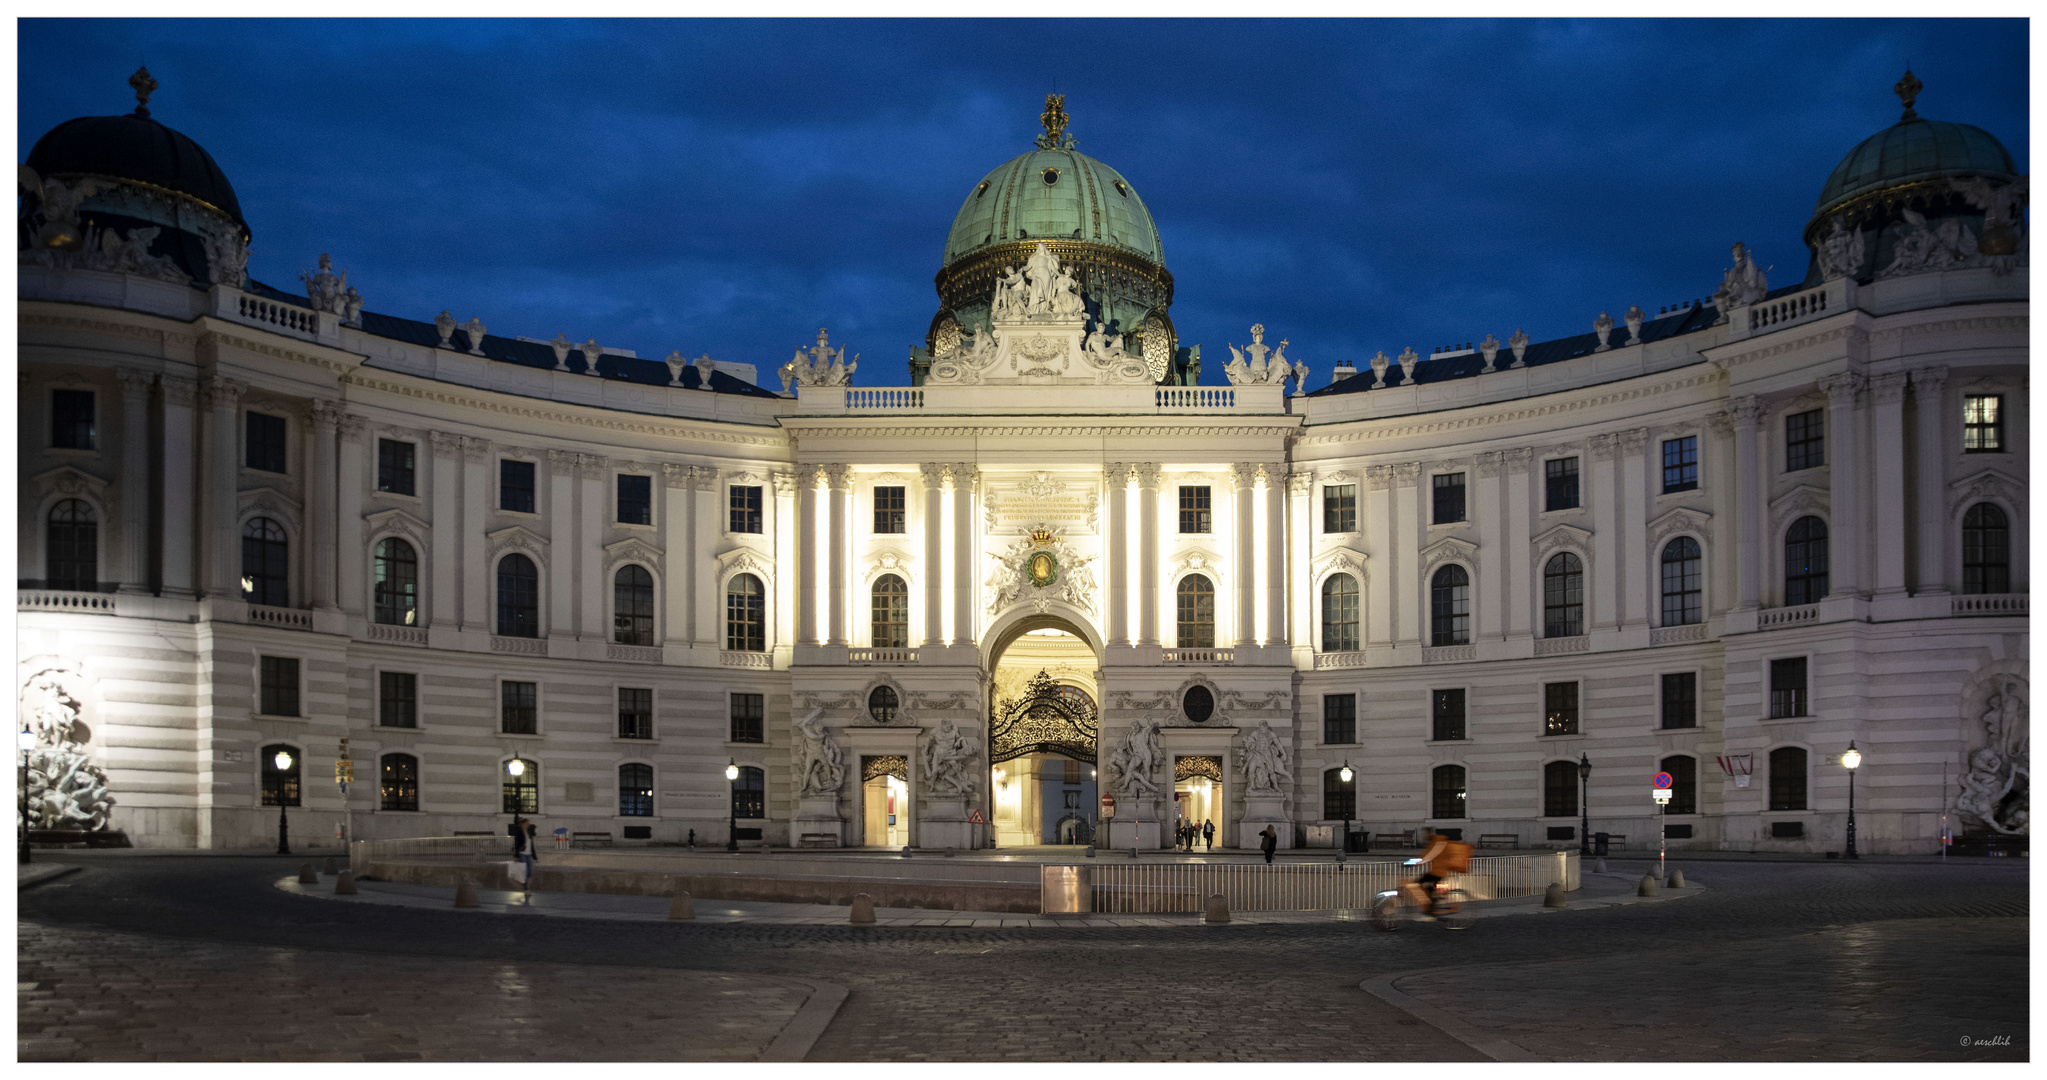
[731, 805]
[27, 741]
[1349, 808]
[283, 763]
[1584, 806]
[1851, 761]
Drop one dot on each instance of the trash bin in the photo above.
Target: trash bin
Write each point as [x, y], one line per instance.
[1357, 843]
[1599, 844]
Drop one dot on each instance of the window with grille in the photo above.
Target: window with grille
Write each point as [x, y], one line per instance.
[1684, 592]
[519, 708]
[1339, 508]
[1195, 512]
[889, 626]
[747, 718]
[397, 699]
[1680, 699]
[264, 442]
[71, 420]
[1787, 778]
[1986, 550]
[635, 713]
[1684, 784]
[1339, 796]
[632, 606]
[1560, 708]
[521, 792]
[1450, 607]
[1805, 440]
[396, 589]
[1787, 688]
[1560, 789]
[1196, 625]
[1446, 714]
[279, 685]
[746, 614]
[890, 513]
[395, 467]
[515, 486]
[744, 502]
[882, 703]
[72, 548]
[398, 782]
[1339, 719]
[1805, 562]
[1560, 483]
[1563, 596]
[750, 793]
[635, 499]
[518, 597]
[1340, 613]
[266, 560]
[1446, 791]
[1448, 490]
[1983, 423]
[1681, 464]
[635, 790]
[281, 788]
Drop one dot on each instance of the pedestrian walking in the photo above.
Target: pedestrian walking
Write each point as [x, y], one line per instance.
[1268, 842]
[1208, 833]
[523, 832]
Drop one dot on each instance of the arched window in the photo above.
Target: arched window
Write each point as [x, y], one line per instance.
[746, 614]
[1684, 784]
[891, 621]
[1986, 550]
[281, 788]
[1805, 562]
[1446, 791]
[1340, 613]
[1339, 796]
[397, 585]
[1196, 628]
[1684, 594]
[749, 793]
[518, 597]
[632, 606]
[1560, 789]
[1563, 596]
[522, 786]
[1787, 778]
[73, 548]
[1450, 607]
[635, 790]
[265, 563]
[398, 782]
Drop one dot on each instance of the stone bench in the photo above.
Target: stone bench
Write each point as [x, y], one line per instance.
[590, 837]
[1499, 840]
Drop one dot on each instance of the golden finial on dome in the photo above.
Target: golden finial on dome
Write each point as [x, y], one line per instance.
[1055, 120]
[144, 86]
[1907, 90]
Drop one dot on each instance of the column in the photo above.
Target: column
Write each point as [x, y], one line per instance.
[1407, 529]
[678, 555]
[561, 544]
[1887, 444]
[780, 515]
[1301, 526]
[321, 481]
[351, 585]
[1602, 497]
[841, 479]
[1846, 529]
[809, 477]
[1519, 567]
[224, 400]
[1486, 507]
[1748, 492]
[177, 453]
[1376, 520]
[1629, 565]
[444, 573]
[476, 577]
[1275, 555]
[593, 471]
[712, 521]
[1244, 557]
[933, 566]
[1116, 489]
[134, 572]
[1148, 554]
[1929, 386]
[964, 548]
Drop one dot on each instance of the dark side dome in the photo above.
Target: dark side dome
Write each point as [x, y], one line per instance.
[138, 150]
[1914, 149]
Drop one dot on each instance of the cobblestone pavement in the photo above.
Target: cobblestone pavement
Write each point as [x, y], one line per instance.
[1273, 992]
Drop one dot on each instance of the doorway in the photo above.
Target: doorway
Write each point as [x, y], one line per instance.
[1197, 790]
[1043, 733]
[885, 800]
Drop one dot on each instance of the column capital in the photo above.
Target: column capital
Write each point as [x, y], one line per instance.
[1888, 388]
[1117, 475]
[1604, 447]
[1519, 458]
[353, 428]
[1746, 411]
[134, 383]
[840, 476]
[1378, 477]
[1632, 442]
[1929, 381]
[1721, 422]
[1490, 464]
[1245, 474]
[1300, 483]
[475, 449]
[592, 466]
[178, 390]
[677, 476]
[810, 477]
[963, 475]
[933, 473]
[327, 415]
[559, 462]
[1147, 475]
[1407, 474]
[1842, 388]
[785, 483]
[446, 442]
[224, 393]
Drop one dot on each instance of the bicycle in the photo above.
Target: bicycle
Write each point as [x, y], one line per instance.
[1387, 914]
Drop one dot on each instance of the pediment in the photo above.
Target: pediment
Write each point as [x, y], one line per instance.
[1340, 560]
[745, 560]
[267, 500]
[631, 548]
[1197, 562]
[68, 480]
[1683, 519]
[516, 536]
[1561, 536]
[1798, 502]
[1448, 549]
[1989, 483]
[397, 521]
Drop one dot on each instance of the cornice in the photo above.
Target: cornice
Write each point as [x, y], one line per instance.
[802, 432]
[552, 412]
[1481, 416]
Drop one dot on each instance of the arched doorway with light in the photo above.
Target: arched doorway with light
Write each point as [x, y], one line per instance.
[1043, 739]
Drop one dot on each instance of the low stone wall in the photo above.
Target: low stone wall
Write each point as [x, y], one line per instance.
[885, 892]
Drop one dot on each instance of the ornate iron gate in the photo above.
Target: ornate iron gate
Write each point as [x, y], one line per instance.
[1047, 719]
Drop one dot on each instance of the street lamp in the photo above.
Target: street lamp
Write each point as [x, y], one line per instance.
[27, 741]
[1349, 808]
[1851, 761]
[283, 763]
[1585, 806]
[732, 805]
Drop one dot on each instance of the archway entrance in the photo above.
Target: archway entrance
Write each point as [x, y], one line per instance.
[1043, 737]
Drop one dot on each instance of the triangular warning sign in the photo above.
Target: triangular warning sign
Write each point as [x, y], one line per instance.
[975, 818]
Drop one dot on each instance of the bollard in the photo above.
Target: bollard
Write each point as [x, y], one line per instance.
[307, 876]
[1677, 880]
[465, 893]
[906, 853]
[1554, 895]
[1091, 851]
[344, 884]
[680, 909]
[327, 867]
[863, 909]
[1218, 909]
[1133, 851]
[950, 852]
[1601, 868]
[1647, 886]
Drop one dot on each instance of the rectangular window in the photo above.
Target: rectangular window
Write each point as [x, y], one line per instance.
[1983, 424]
[1684, 785]
[397, 699]
[1339, 508]
[1787, 688]
[1447, 712]
[515, 486]
[280, 686]
[746, 509]
[635, 499]
[635, 713]
[889, 515]
[1560, 708]
[71, 420]
[519, 708]
[1560, 483]
[1681, 700]
[1805, 440]
[394, 467]
[1195, 511]
[264, 443]
[747, 717]
[1339, 718]
[1681, 464]
[1449, 498]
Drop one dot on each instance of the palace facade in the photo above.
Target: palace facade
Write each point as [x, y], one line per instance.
[1494, 589]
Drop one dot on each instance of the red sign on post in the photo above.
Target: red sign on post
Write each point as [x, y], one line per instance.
[1108, 806]
[1662, 780]
[975, 818]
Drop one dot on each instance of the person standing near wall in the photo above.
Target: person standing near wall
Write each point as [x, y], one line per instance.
[1268, 842]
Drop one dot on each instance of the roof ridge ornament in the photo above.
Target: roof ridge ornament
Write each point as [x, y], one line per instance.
[1907, 90]
[1055, 120]
[144, 86]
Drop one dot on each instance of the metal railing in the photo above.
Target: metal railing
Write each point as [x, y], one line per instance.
[1139, 888]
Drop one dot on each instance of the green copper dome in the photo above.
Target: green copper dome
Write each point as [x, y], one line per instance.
[1911, 150]
[1054, 194]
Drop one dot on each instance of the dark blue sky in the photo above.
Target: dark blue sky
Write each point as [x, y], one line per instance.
[732, 186]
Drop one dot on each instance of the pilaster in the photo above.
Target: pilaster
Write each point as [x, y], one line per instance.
[1887, 444]
[444, 576]
[1244, 553]
[1748, 490]
[1147, 555]
[322, 482]
[1929, 393]
[1844, 495]
[932, 570]
[1488, 509]
[840, 477]
[178, 452]
[351, 582]
[1631, 565]
[965, 592]
[561, 554]
[134, 570]
[476, 577]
